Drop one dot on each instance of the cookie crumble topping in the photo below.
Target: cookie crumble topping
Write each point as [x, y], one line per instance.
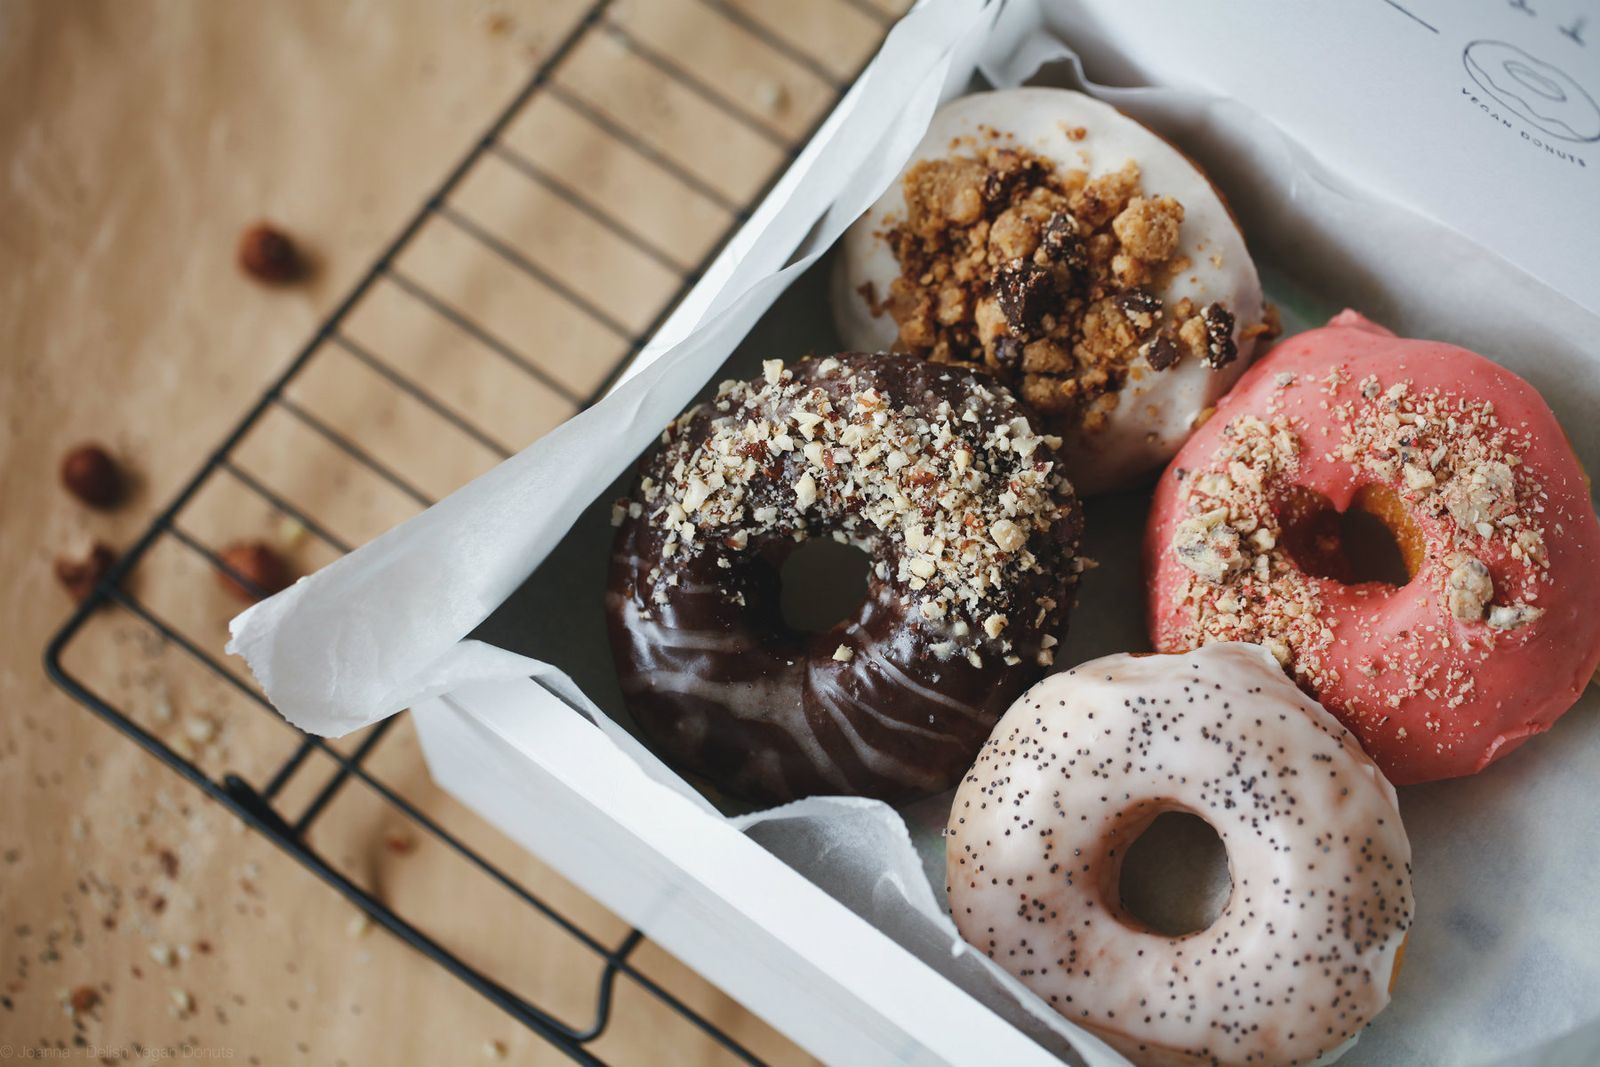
[1045, 276]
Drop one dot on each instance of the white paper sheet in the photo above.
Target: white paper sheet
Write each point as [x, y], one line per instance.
[1506, 952]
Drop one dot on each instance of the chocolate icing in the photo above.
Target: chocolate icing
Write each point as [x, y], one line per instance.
[895, 701]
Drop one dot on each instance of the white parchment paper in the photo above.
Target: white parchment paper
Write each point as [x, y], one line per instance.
[1505, 956]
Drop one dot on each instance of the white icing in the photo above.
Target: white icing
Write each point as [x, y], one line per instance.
[1301, 956]
[1158, 410]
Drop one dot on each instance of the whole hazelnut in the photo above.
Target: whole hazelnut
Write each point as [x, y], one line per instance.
[262, 569]
[80, 576]
[267, 254]
[90, 474]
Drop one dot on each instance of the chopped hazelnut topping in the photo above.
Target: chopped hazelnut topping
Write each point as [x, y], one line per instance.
[958, 500]
[1510, 616]
[1455, 467]
[1211, 550]
[1480, 494]
[1469, 589]
[805, 491]
[1008, 535]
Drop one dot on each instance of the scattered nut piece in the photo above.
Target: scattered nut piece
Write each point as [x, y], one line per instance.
[261, 570]
[168, 861]
[805, 491]
[1483, 492]
[1468, 589]
[1418, 478]
[80, 576]
[83, 999]
[843, 654]
[400, 841]
[1008, 535]
[163, 953]
[267, 254]
[1510, 616]
[89, 473]
[1211, 550]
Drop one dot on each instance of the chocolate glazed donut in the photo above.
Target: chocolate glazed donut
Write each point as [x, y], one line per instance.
[940, 476]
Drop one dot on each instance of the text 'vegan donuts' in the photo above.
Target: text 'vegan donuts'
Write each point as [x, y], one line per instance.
[941, 477]
[1082, 259]
[1496, 632]
[1304, 952]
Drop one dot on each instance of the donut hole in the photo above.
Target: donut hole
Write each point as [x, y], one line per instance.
[822, 583]
[1373, 540]
[1174, 877]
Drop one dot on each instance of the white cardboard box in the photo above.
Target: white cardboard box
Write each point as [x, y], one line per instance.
[1351, 199]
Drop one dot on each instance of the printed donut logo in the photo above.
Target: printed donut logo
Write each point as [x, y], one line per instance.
[1536, 92]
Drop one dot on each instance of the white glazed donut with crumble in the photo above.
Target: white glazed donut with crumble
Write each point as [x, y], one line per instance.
[1074, 253]
[1303, 954]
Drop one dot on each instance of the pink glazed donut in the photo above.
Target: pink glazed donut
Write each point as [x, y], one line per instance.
[1303, 954]
[1496, 632]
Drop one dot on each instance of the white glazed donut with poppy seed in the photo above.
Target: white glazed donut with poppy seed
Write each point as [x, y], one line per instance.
[941, 477]
[1048, 237]
[1304, 952]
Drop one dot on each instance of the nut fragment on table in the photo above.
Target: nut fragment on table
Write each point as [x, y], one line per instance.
[90, 474]
[261, 570]
[83, 999]
[80, 574]
[268, 254]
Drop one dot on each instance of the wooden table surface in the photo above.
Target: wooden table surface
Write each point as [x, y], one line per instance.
[138, 140]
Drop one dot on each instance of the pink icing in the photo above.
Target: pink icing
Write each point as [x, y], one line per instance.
[1429, 693]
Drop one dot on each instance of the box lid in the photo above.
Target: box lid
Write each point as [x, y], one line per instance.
[1481, 114]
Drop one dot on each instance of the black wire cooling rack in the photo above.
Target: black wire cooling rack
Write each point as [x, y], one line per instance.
[261, 804]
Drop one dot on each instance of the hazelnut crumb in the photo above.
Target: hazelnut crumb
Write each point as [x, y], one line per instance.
[267, 254]
[1468, 589]
[261, 570]
[91, 475]
[80, 575]
[400, 841]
